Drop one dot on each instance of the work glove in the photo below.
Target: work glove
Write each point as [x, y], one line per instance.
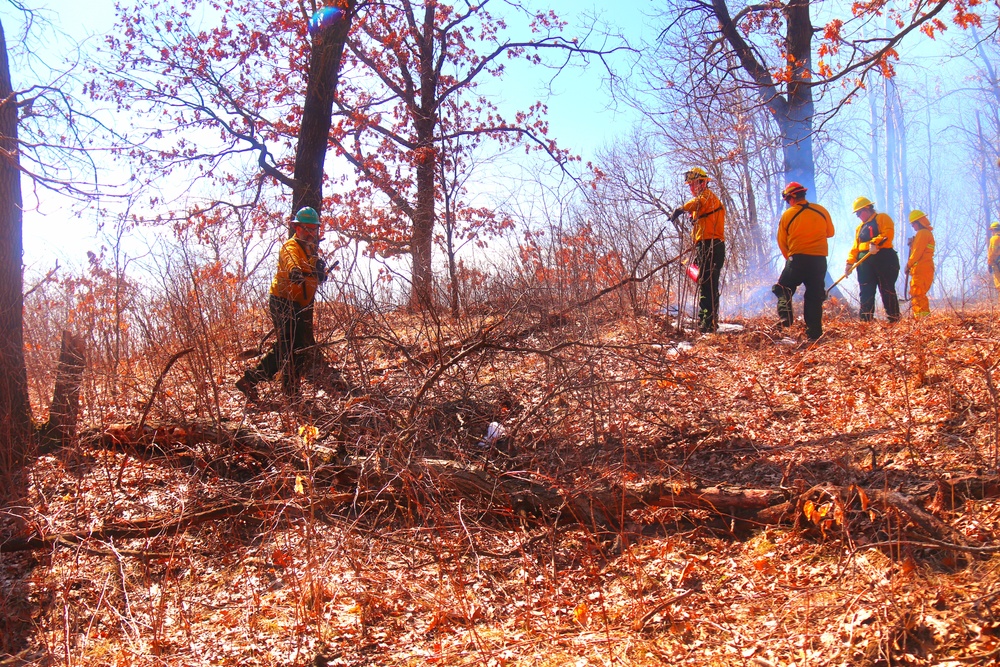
[321, 270]
[676, 214]
[296, 277]
[848, 269]
[873, 248]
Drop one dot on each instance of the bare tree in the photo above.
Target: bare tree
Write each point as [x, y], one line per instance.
[15, 414]
[768, 49]
[47, 140]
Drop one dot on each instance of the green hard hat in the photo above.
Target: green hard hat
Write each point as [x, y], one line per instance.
[307, 215]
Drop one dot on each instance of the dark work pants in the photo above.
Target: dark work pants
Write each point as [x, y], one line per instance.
[291, 327]
[710, 256]
[809, 270]
[879, 272]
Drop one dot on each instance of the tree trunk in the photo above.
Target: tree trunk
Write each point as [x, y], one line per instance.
[317, 117]
[422, 236]
[61, 427]
[874, 153]
[317, 112]
[796, 124]
[15, 413]
[891, 195]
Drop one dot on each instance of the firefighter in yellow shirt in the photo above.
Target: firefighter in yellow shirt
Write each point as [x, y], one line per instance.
[300, 271]
[993, 256]
[802, 238]
[920, 265]
[879, 271]
[709, 218]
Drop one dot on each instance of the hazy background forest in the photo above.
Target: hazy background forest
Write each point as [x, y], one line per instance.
[496, 184]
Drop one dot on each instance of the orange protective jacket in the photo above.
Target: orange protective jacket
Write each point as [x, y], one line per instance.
[294, 261]
[886, 232]
[921, 248]
[804, 229]
[709, 216]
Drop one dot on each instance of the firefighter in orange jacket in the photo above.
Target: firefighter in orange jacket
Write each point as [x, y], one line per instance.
[709, 218]
[920, 265]
[300, 271]
[802, 238]
[879, 271]
[993, 256]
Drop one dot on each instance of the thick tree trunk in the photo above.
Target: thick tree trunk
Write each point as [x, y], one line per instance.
[422, 235]
[796, 125]
[15, 414]
[61, 427]
[317, 117]
[317, 113]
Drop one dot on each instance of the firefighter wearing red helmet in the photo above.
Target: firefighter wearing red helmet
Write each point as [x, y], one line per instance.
[803, 231]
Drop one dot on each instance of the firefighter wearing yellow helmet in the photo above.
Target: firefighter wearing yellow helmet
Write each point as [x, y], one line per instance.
[299, 273]
[709, 218]
[993, 256]
[920, 265]
[876, 260]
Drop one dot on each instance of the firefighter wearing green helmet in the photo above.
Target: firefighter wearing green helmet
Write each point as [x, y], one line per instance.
[879, 271]
[709, 218]
[299, 273]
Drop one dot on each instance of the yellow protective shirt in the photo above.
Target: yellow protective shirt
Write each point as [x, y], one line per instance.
[804, 229]
[920, 266]
[993, 256]
[921, 248]
[886, 232]
[709, 216]
[293, 255]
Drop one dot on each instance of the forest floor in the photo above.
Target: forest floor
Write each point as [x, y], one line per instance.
[322, 531]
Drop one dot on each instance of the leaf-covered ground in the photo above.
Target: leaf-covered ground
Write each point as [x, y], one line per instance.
[307, 566]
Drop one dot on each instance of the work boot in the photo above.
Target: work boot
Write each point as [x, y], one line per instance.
[246, 387]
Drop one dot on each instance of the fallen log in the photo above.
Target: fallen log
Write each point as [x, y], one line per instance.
[166, 524]
[599, 507]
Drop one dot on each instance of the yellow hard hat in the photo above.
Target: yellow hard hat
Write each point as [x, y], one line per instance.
[695, 174]
[862, 202]
[995, 225]
[916, 214]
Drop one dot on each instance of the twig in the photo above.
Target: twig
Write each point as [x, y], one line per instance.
[28, 655]
[159, 381]
[48, 277]
[981, 658]
[641, 623]
[929, 543]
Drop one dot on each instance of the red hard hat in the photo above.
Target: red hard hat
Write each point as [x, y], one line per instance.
[793, 188]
